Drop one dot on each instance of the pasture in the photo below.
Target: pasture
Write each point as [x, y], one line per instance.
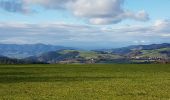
[85, 82]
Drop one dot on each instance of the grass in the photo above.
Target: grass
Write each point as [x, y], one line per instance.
[85, 54]
[88, 54]
[155, 53]
[92, 54]
[85, 82]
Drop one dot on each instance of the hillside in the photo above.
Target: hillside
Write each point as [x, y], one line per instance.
[6, 60]
[126, 50]
[27, 50]
[155, 53]
[74, 56]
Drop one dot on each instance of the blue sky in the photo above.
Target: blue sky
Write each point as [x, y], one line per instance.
[85, 24]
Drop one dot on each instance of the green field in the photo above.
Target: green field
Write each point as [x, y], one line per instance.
[85, 82]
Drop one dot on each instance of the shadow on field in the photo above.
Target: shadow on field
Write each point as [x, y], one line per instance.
[15, 79]
[14, 73]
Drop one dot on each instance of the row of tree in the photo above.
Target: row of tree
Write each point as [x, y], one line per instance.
[6, 60]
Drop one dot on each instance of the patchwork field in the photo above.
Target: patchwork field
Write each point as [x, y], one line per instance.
[85, 82]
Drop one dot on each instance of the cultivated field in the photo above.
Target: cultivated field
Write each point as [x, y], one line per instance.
[85, 82]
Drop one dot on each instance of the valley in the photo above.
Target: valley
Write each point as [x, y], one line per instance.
[139, 54]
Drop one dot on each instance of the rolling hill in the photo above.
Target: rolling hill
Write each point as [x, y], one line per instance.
[27, 50]
[6, 60]
[73, 56]
[126, 50]
[155, 53]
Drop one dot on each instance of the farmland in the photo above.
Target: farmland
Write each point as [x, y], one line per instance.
[85, 82]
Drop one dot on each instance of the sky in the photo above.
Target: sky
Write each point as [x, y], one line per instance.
[87, 24]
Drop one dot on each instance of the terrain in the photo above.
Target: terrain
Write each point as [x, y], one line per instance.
[40, 53]
[85, 82]
[156, 53]
[27, 50]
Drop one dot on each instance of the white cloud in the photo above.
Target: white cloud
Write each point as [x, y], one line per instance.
[102, 21]
[162, 26]
[94, 11]
[105, 11]
[100, 8]
[74, 34]
[52, 4]
[165, 35]
[15, 40]
[141, 15]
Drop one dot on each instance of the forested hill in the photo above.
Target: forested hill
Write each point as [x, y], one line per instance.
[27, 50]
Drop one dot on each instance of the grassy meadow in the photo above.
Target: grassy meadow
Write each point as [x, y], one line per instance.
[85, 82]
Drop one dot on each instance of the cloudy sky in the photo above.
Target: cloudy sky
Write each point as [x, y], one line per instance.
[85, 23]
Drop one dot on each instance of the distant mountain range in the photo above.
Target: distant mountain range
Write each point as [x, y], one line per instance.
[27, 50]
[6, 60]
[125, 50]
[40, 53]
